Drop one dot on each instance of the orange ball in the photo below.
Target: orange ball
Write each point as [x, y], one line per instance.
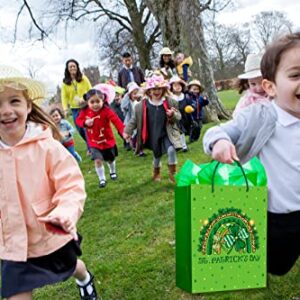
[188, 109]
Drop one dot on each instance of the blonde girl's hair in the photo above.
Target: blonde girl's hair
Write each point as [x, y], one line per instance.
[38, 115]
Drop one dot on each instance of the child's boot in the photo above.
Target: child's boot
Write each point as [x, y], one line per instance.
[156, 174]
[172, 171]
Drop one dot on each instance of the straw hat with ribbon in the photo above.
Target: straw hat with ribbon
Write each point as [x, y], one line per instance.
[197, 83]
[11, 77]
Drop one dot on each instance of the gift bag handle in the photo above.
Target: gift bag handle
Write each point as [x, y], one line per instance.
[214, 173]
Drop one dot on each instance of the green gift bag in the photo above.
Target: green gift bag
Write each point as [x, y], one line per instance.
[221, 232]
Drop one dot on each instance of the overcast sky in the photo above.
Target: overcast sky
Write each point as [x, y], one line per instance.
[48, 60]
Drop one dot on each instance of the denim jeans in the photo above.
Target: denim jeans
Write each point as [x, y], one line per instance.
[74, 153]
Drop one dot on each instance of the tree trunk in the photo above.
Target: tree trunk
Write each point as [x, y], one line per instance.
[182, 30]
[138, 33]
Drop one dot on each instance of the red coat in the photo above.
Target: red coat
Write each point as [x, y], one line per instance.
[100, 135]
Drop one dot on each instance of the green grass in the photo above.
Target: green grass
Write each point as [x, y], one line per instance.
[229, 98]
[127, 229]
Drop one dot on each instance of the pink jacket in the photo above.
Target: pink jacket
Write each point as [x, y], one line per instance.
[37, 176]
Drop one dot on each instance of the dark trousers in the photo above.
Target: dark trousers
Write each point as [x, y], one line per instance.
[195, 130]
[283, 245]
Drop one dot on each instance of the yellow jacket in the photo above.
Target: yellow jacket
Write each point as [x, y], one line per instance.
[69, 93]
[38, 176]
[187, 61]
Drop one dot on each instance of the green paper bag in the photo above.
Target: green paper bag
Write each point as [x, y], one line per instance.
[220, 236]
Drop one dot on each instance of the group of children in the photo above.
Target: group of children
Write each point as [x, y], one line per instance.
[163, 134]
[39, 243]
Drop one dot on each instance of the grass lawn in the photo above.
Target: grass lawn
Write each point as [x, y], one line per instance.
[229, 98]
[128, 229]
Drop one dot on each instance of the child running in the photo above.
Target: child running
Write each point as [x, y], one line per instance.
[271, 132]
[131, 98]
[66, 131]
[42, 195]
[177, 86]
[96, 118]
[155, 118]
[254, 91]
[197, 102]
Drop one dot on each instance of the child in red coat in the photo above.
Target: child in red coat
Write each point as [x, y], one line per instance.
[96, 118]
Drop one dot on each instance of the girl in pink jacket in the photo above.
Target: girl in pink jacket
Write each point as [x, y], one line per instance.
[41, 196]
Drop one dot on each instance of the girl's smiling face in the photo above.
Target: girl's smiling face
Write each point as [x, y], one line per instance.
[156, 94]
[255, 85]
[95, 103]
[195, 89]
[177, 88]
[134, 95]
[14, 109]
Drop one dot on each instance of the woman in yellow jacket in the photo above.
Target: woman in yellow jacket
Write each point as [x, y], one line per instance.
[74, 86]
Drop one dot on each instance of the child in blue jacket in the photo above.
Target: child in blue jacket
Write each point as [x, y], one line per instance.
[197, 101]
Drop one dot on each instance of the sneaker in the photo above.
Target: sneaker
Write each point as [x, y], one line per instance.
[113, 176]
[142, 154]
[185, 149]
[88, 291]
[102, 183]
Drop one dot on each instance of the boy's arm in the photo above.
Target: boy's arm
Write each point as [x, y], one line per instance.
[203, 101]
[120, 82]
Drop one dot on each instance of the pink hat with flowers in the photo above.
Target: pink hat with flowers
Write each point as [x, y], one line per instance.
[155, 81]
[106, 89]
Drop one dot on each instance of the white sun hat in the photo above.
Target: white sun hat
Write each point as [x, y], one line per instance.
[252, 67]
[165, 51]
[13, 78]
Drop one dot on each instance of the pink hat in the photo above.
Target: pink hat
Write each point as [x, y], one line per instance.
[106, 89]
[131, 86]
[156, 81]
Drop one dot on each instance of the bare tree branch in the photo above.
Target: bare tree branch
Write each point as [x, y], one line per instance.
[17, 20]
[115, 16]
[42, 31]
